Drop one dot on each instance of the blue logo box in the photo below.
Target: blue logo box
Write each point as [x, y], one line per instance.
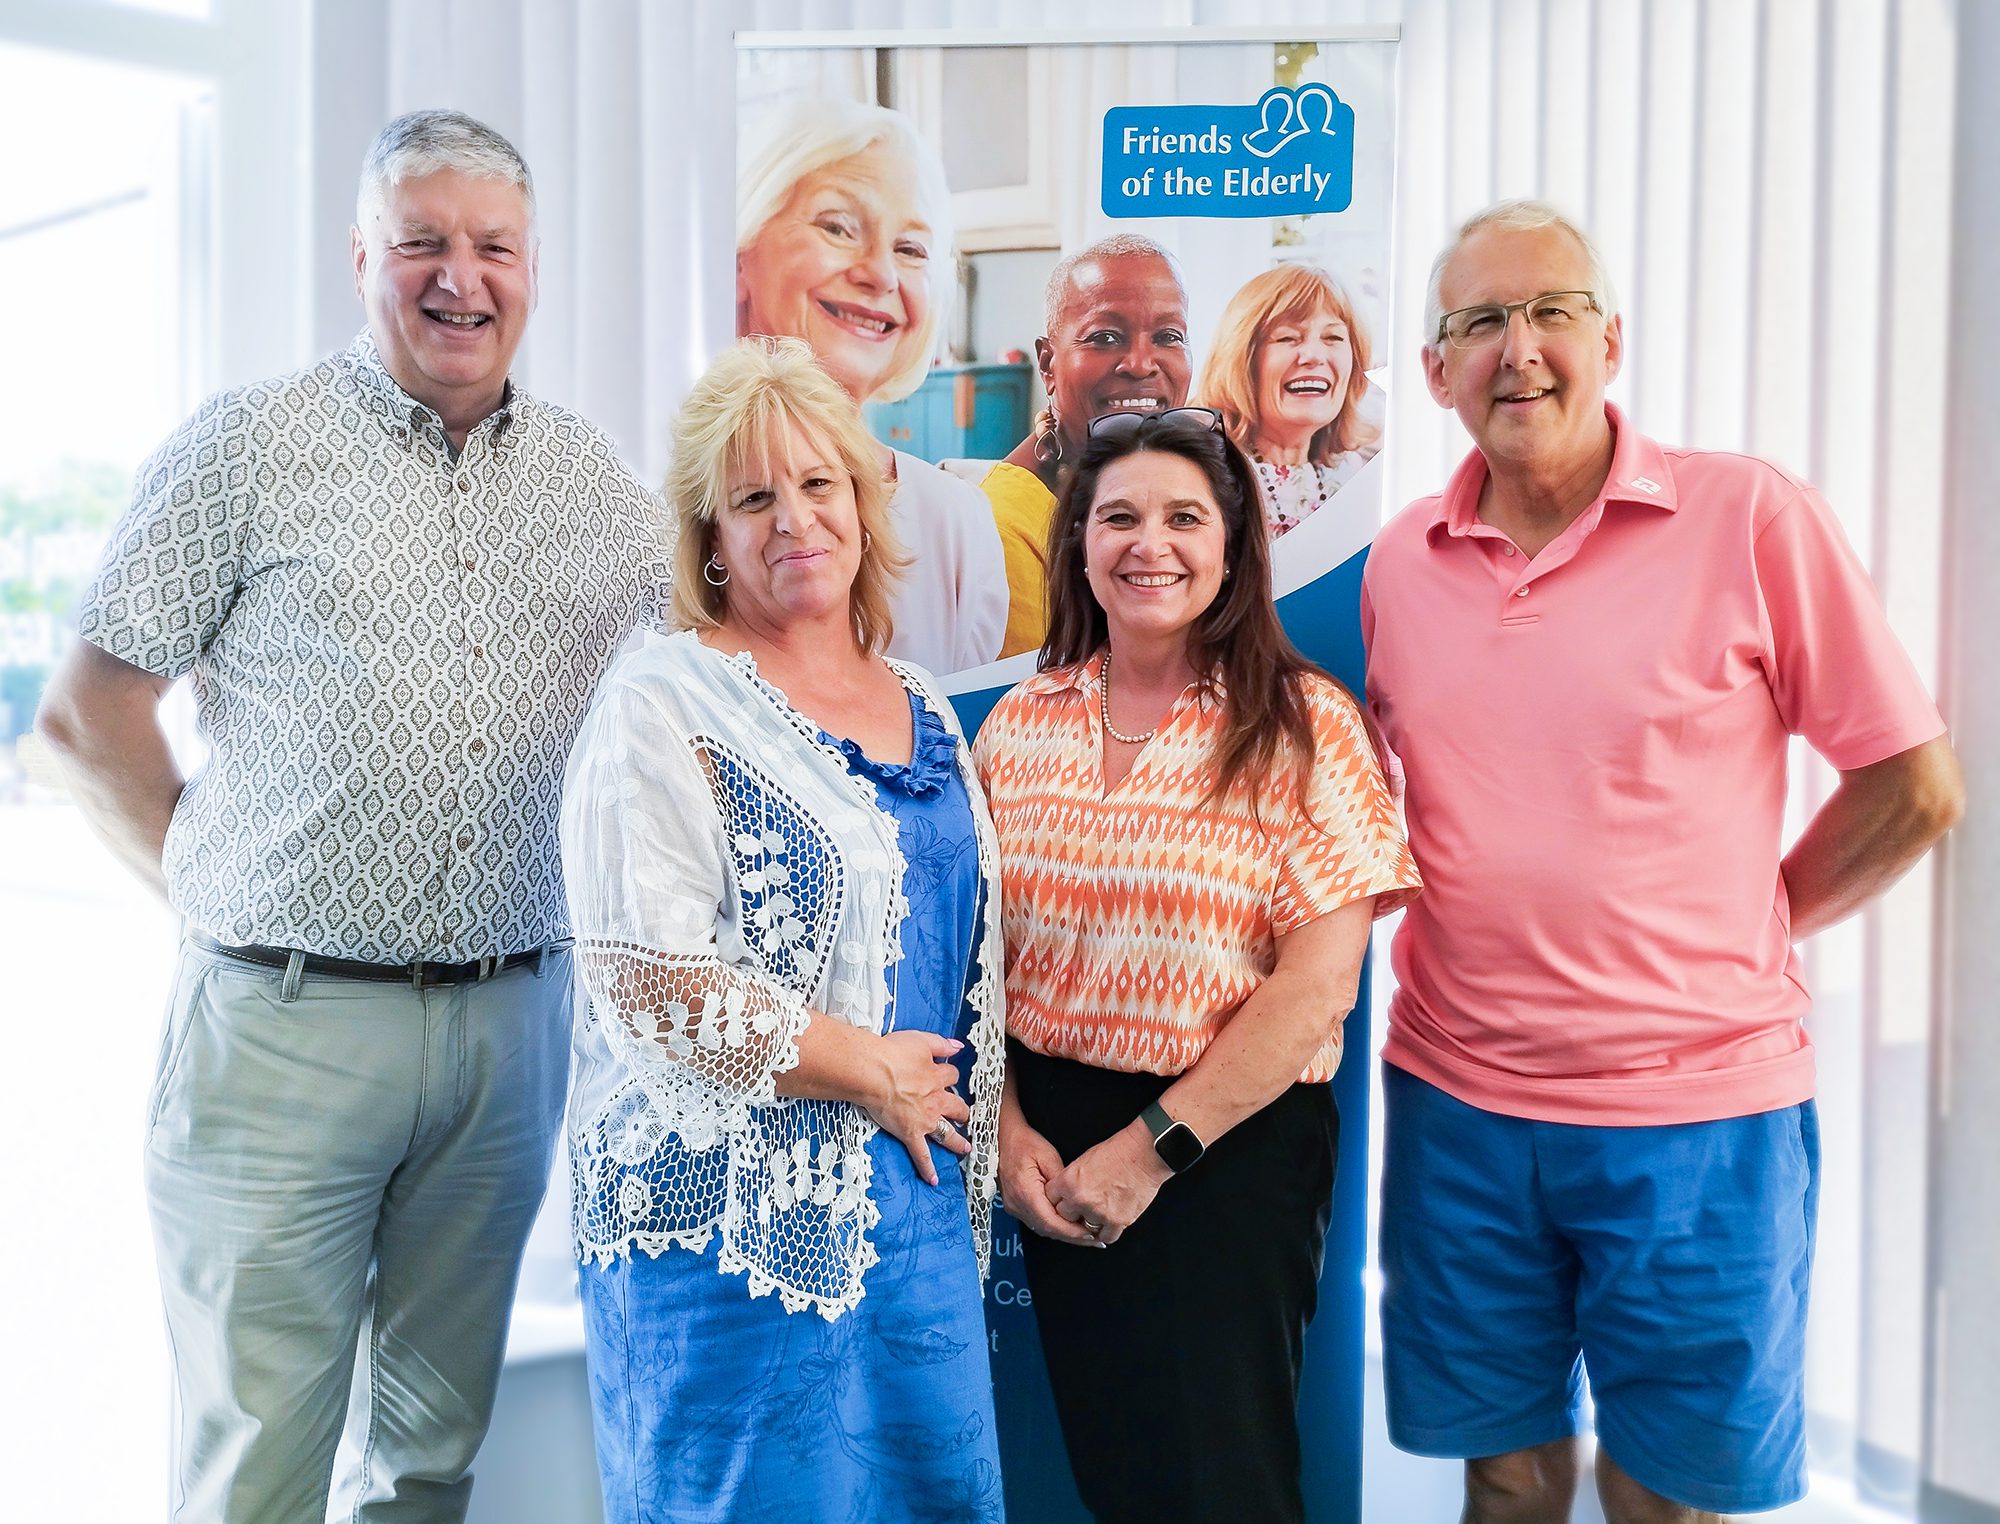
[1291, 153]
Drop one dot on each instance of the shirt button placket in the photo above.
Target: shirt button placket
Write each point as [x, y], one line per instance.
[460, 498]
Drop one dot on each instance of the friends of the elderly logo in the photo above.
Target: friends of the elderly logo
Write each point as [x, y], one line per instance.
[1291, 152]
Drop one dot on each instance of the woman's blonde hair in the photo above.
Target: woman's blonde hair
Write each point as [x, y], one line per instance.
[1287, 293]
[816, 133]
[737, 416]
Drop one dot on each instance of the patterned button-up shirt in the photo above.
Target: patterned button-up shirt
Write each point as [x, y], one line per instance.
[391, 651]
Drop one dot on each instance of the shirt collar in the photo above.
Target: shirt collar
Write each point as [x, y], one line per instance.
[1639, 474]
[1083, 679]
[398, 406]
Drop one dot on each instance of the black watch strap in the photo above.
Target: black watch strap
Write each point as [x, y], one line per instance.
[1175, 1142]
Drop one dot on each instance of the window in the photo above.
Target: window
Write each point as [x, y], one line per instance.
[98, 257]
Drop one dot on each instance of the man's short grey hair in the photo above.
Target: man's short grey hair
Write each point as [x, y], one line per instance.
[1521, 215]
[1117, 246]
[420, 143]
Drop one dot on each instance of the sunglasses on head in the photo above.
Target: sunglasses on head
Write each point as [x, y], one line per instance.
[1119, 427]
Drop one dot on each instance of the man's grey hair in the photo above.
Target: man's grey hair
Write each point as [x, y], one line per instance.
[1522, 215]
[419, 143]
[1117, 246]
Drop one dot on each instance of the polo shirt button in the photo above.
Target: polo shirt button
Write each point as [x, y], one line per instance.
[1520, 592]
[1506, 550]
[464, 841]
[478, 649]
[464, 485]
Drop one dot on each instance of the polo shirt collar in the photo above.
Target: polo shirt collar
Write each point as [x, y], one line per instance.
[1639, 474]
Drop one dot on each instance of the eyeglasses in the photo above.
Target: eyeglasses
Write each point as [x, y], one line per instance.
[1551, 314]
[1119, 427]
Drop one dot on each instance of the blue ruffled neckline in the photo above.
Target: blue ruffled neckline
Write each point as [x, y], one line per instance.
[933, 757]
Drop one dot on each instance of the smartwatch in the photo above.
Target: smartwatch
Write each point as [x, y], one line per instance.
[1173, 1141]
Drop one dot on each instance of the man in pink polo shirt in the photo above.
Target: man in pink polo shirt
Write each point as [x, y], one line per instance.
[1589, 652]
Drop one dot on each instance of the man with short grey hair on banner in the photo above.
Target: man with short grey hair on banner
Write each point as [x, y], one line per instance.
[1590, 652]
[394, 579]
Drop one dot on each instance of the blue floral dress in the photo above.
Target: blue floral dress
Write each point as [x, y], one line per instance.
[710, 1404]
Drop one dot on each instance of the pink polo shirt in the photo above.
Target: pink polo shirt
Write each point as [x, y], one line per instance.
[1594, 744]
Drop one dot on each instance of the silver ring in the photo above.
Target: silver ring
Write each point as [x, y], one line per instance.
[943, 1131]
[1092, 1228]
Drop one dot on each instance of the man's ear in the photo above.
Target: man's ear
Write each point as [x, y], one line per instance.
[358, 247]
[1434, 376]
[1614, 347]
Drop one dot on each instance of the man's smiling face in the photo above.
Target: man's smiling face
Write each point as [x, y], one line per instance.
[1530, 400]
[445, 266]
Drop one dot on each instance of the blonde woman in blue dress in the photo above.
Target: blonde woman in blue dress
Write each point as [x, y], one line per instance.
[782, 1116]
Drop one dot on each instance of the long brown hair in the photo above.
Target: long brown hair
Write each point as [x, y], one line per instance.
[1236, 643]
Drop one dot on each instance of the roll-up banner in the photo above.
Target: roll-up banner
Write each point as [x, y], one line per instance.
[1216, 205]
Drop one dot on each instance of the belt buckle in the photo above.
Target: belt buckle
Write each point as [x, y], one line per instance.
[488, 967]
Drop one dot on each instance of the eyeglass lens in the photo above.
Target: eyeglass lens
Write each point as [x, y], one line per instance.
[1550, 314]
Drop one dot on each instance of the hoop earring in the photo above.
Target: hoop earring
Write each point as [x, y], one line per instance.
[1048, 437]
[709, 568]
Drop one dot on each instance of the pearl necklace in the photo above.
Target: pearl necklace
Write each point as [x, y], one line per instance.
[1104, 709]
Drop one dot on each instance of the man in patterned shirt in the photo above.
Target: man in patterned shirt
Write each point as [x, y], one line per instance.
[393, 579]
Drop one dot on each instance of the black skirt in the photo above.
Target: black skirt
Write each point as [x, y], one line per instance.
[1174, 1355]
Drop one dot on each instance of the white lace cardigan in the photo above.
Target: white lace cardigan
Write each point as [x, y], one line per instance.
[727, 875]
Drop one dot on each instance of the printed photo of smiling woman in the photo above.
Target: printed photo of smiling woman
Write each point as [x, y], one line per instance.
[843, 239]
[1289, 374]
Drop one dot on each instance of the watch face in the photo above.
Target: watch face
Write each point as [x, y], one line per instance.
[1178, 1147]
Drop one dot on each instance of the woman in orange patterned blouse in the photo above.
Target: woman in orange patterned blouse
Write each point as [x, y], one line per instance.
[1194, 837]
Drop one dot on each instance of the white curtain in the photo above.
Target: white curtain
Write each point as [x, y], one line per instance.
[1770, 179]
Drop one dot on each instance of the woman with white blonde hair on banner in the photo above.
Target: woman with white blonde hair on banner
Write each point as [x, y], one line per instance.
[1289, 373]
[843, 239]
[784, 1107]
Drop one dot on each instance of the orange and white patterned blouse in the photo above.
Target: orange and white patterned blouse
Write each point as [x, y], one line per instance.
[1138, 921]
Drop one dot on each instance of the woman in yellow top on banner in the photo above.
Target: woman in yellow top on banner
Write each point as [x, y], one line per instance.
[1116, 343]
[1194, 838]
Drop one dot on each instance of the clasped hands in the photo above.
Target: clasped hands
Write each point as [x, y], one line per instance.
[1093, 1199]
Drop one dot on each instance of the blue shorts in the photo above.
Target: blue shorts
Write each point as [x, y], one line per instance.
[1670, 1262]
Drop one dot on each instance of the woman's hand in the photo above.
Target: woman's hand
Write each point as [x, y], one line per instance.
[913, 1091]
[1028, 1162]
[1112, 1184]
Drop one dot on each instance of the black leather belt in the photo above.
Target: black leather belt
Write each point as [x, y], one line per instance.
[422, 975]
